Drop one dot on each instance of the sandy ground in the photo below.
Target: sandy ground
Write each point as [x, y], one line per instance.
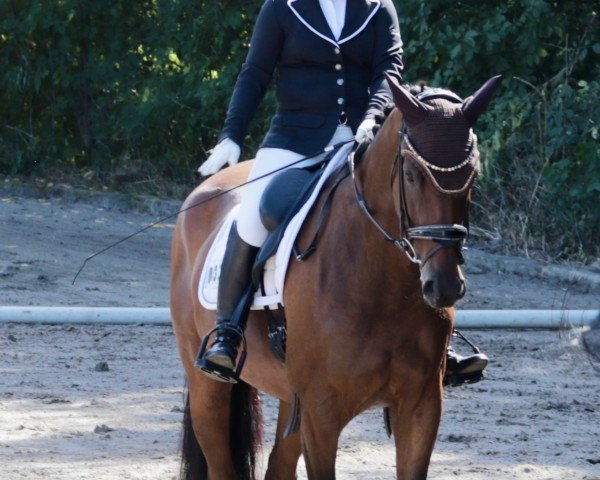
[63, 417]
[537, 416]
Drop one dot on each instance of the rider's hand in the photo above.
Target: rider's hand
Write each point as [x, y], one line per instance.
[365, 130]
[226, 151]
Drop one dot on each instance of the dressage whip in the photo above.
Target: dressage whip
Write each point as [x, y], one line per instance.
[328, 149]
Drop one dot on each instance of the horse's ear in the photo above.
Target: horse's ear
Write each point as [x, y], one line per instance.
[413, 110]
[476, 104]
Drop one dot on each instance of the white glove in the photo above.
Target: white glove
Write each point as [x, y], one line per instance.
[226, 151]
[365, 130]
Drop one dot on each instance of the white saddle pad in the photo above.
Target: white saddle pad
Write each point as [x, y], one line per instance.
[276, 266]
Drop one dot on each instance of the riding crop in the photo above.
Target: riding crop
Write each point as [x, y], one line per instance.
[328, 149]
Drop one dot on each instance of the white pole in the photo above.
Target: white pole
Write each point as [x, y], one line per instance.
[470, 319]
[548, 319]
[85, 315]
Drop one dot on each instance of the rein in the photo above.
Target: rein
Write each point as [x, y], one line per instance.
[445, 235]
[401, 243]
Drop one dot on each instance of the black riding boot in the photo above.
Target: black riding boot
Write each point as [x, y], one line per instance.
[235, 285]
[464, 369]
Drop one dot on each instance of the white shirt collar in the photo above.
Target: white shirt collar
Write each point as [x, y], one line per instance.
[335, 14]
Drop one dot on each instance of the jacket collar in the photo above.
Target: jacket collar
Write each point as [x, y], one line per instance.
[358, 15]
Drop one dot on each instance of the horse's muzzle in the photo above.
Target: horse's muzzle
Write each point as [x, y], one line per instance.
[443, 291]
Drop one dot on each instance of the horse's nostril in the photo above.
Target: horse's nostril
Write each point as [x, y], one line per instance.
[428, 287]
[443, 292]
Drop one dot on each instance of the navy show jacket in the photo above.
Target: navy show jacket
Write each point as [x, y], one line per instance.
[320, 81]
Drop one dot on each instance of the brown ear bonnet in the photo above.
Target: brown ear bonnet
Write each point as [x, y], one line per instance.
[449, 175]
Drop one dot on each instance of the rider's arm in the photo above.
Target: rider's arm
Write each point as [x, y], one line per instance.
[256, 74]
[387, 57]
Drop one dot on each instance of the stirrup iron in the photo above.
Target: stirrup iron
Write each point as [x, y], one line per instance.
[218, 372]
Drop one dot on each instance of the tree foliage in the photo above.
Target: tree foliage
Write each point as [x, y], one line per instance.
[144, 84]
[540, 137]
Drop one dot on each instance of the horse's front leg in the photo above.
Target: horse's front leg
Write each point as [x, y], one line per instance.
[415, 426]
[286, 451]
[322, 422]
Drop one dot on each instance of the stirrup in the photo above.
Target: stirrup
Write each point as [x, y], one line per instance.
[456, 333]
[457, 379]
[218, 372]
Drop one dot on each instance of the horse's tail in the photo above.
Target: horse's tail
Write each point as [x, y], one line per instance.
[245, 436]
[193, 464]
[245, 429]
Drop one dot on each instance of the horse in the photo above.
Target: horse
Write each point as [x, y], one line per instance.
[369, 315]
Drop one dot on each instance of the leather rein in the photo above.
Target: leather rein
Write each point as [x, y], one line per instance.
[444, 235]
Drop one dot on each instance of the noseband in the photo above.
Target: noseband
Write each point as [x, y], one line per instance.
[444, 235]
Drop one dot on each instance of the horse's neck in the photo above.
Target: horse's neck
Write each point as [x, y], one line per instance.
[375, 172]
[376, 178]
[365, 261]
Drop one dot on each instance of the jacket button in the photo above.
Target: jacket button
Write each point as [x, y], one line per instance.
[338, 66]
[337, 51]
[340, 81]
[340, 101]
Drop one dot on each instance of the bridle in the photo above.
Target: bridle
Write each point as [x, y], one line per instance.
[444, 235]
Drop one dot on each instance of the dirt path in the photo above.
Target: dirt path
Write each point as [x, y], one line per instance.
[63, 417]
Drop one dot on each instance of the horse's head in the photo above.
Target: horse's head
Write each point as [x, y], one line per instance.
[437, 164]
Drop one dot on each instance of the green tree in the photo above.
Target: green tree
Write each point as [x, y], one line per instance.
[144, 85]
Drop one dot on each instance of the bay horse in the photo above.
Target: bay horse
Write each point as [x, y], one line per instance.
[368, 320]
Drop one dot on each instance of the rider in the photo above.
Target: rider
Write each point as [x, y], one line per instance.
[330, 57]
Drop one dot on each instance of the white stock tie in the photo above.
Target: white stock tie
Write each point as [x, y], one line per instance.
[335, 14]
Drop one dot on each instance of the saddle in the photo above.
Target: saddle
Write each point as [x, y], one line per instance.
[282, 199]
[285, 204]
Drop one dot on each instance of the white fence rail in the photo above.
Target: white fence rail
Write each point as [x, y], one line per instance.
[471, 319]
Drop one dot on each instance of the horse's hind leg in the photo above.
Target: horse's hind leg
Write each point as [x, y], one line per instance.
[209, 408]
[209, 403]
[210, 411]
[286, 451]
[415, 427]
[223, 418]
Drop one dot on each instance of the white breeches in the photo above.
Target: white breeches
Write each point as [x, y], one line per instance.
[249, 225]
